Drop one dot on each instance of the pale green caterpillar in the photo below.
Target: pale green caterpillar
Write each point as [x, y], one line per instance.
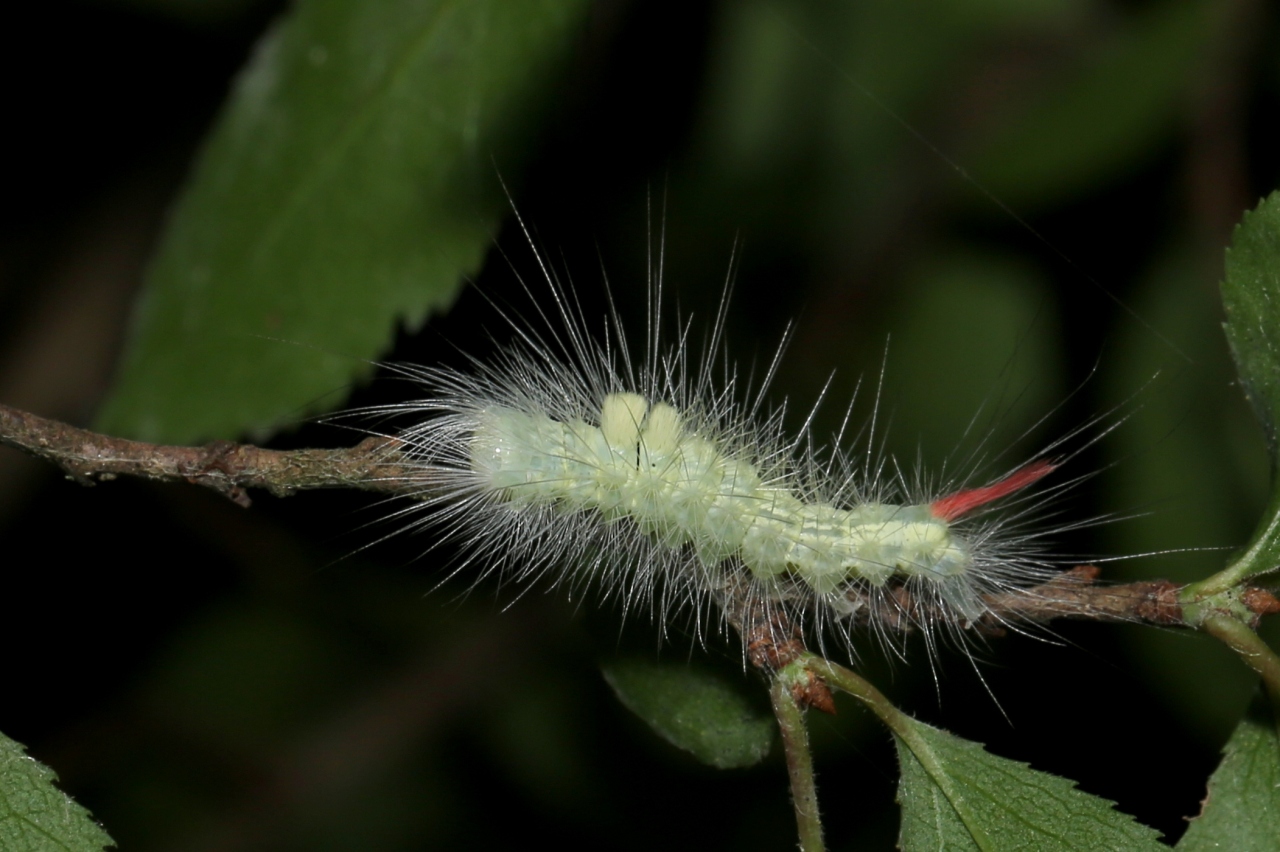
[665, 484]
[546, 464]
[643, 463]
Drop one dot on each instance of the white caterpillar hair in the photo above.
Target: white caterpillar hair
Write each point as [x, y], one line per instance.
[669, 484]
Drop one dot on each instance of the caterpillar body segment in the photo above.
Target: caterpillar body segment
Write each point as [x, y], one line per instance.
[644, 462]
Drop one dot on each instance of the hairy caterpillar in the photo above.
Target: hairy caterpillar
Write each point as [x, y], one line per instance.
[567, 458]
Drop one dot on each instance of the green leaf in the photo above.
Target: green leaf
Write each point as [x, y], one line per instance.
[957, 796]
[1253, 312]
[37, 816]
[352, 181]
[1242, 809]
[694, 710]
[1253, 329]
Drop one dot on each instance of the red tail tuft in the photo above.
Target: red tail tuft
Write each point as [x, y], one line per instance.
[963, 502]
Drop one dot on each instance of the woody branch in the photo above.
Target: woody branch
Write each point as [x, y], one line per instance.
[376, 464]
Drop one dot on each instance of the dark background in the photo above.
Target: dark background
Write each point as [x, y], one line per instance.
[203, 677]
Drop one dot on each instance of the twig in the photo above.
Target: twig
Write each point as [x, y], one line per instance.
[1072, 594]
[228, 468]
[376, 464]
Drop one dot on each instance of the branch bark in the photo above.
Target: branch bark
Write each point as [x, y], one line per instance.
[376, 464]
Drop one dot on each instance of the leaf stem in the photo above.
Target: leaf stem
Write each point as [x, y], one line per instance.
[844, 679]
[795, 743]
[1260, 557]
[1255, 653]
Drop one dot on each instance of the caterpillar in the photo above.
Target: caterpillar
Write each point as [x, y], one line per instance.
[669, 483]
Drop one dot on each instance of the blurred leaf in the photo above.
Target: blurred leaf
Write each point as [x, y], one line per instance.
[537, 736]
[247, 676]
[694, 710]
[37, 816]
[1105, 116]
[1013, 369]
[350, 183]
[955, 795]
[806, 100]
[1242, 808]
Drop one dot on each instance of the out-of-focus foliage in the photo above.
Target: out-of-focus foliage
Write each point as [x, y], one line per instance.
[1101, 111]
[224, 679]
[694, 710]
[348, 187]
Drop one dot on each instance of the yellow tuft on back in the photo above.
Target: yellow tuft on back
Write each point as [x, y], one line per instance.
[620, 418]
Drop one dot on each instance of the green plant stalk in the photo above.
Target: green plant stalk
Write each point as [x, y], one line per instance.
[898, 722]
[1216, 606]
[795, 743]
[1260, 557]
[1256, 654]
[840, 677]
[895, 719]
